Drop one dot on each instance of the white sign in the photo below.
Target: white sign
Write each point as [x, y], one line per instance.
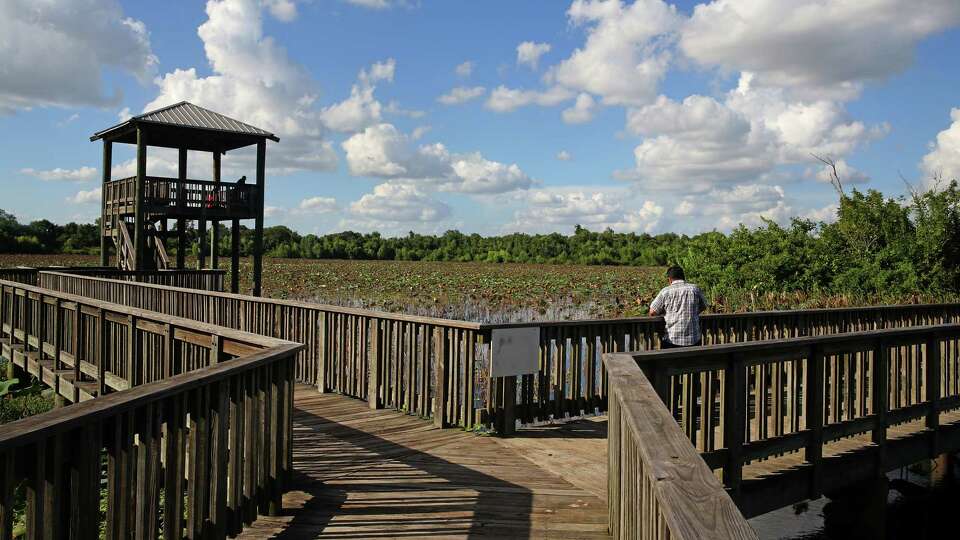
[515, 351]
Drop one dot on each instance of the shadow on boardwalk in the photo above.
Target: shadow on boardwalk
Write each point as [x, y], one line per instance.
[381, 474]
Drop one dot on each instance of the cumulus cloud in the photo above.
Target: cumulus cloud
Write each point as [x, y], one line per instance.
[318, 205]
[55, 53]
[254, 80]
[81, 174]
[361, 109]
[393, 107]
[725, 208]
[848, 174]
[561, 209]
[461, 94]
[563, 155]
[282, 10]
[383, 151]
[529, 53]
[465, 69]
[504, 99]
[700, 141]
[581, 112]
[818, 48]
[626, 53]
[85, 197]
[398, 201]
[944, 157]
[376, 4]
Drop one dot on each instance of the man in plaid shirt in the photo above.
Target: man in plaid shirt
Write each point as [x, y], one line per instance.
[680, 303]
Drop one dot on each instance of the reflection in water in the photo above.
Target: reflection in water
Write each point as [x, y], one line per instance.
[917, 503]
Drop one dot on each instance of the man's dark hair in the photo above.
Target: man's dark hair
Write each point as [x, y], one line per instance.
[675, 272]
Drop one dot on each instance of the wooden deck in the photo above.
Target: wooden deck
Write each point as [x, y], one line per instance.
[361, 473]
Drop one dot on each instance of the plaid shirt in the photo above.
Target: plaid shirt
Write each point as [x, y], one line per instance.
[680, 303]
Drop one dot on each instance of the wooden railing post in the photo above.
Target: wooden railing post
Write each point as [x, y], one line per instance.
[932, 385]
[441, 368]
[734, 422]
[374, 369]
[322, 351]
[881, 401]
[813, 453]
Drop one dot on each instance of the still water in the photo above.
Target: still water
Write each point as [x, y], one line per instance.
[917, 503]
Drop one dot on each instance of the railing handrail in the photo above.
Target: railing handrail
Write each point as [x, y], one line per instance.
[459, 323]
[451, 323]
[27, 430]
[700, 351]
[143, 314]
[731, 315]
[690, 500]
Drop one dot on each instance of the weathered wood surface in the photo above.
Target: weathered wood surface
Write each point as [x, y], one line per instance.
[379, 474]
[786, 420]
[659, 487]
[197, 443]
[397, 361]
[204, 280]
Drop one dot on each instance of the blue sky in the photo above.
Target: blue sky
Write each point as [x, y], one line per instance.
[495, 116]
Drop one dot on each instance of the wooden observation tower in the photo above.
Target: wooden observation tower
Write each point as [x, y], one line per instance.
[137, 210]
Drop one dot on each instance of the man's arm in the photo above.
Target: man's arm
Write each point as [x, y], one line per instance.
[656, 307]
[702, 301]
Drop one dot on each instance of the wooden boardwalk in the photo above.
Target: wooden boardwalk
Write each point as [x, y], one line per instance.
[361, 473]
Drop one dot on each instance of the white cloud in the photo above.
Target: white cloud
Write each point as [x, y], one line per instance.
[725, 208]
[254, 80]
[465, 69]
[700, 141]
[393, 107]
[55, 53]
[282, 10]
[625, 55]
[944, 156]
[397, 201]
[847, 173]
[581, 112]
[85, 197]
[461, 94]
[361, 109]
[563, 155]
[272, 211]
[81, 174]
[561, 209]
[827, 214]
[818, 48]
[318, 205]
[504, 99]
[383, 151]
[374, 4]
[529, 53]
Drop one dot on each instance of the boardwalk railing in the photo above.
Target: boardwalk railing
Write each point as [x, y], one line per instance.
[202, 439]
[426, 366]
[658, 486]
[742, 404]
[396, 361]
[204, 280]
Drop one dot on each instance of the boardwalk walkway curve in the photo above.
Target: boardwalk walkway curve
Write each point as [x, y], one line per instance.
[197, 387]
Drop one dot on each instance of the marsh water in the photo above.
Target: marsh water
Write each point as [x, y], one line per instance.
[915, 503]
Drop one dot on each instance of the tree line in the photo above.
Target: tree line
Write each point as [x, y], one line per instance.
[876, 245]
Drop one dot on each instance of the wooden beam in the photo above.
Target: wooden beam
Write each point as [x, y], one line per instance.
[235, 256]
[181, 223]
[258, 228]
[139, 232]
[107, 163]
[215, 229]
[202, 244]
